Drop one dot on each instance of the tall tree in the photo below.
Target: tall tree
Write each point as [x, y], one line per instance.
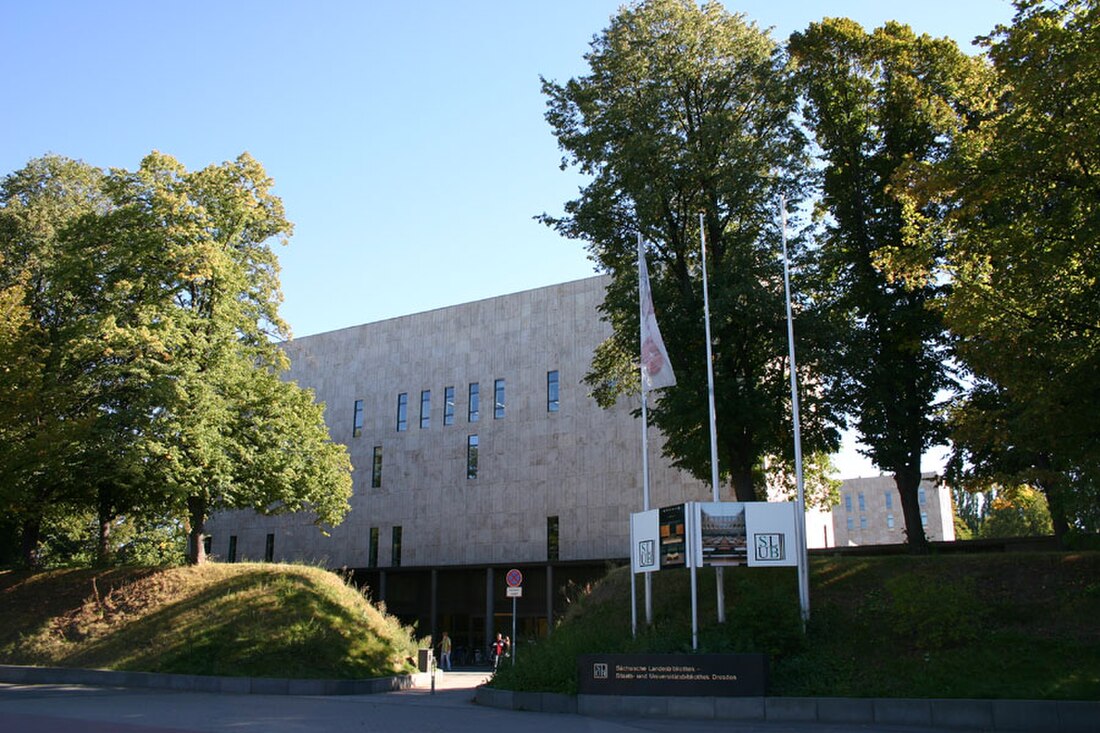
[876, 103]
[688, 109]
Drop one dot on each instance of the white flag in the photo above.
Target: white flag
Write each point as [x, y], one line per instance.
[656, 368]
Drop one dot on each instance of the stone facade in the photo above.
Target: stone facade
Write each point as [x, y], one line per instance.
[578, 463]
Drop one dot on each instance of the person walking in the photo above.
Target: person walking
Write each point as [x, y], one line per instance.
[496, 651]
[445, 652]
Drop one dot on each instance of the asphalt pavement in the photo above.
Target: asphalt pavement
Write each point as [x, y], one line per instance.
[449, 708]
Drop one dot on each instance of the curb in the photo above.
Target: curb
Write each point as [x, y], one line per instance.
[16, 674]
[1015, 716]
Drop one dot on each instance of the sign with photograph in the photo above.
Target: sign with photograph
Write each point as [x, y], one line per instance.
[645, 536]
[673, 532]
[721, 539]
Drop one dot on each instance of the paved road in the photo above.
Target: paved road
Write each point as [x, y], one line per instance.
[75, 709]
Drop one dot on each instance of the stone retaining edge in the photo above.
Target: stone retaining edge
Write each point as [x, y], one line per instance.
[1011, 716]
[18, 674]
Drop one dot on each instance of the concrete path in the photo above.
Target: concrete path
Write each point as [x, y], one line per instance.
[78, 709]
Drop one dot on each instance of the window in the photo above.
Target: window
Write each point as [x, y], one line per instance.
[357, 420]
[552, 402]
[498, 399]
[889, 500]
[372, 551]
[889, 521]
[862, 522]
[231, 556]
[207, 543]
[269, 549]
[471, 456]
[847, 502]
[551, 538]
[395, 556]
[862, 504]
[448, 405]
[475, 402]
[851, 524]
[924, 519]
[425, 409]
[921, 497]
[376, 468]
[402, 412]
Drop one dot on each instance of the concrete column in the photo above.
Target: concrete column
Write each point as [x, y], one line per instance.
[435, 605]
[490, 634]
[549, 600]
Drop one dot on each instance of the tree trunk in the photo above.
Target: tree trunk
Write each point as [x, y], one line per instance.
[196, 512]
[743, 489]
[1057, 511]
[106, 517]
[907, 479]
[32, 534]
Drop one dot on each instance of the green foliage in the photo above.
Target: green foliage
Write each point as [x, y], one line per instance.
[688, 109]
[877, 104]
[935, 615]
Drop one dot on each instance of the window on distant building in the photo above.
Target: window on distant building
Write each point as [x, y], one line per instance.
[862, 522]
[425, 409]
[471, 456]
[498, 399]
[889, 521]
[889, 500]
[448, 405]
[847, 502]
[372, 550]
[474, 409]
[862, 503]
[402, 412]
[357, 420]
[269, 549]
[207, 544]
[395, 555]
[552, 393]
[376, 468]
[231, 556]
[924, 519]
[921, 495]
[551, 538]
[851, 524]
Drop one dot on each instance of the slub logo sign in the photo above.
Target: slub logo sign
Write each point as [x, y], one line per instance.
[647, 553]
[769, 547]
[599, 671]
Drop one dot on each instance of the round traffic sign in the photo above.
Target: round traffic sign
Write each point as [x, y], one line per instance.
[514, 578]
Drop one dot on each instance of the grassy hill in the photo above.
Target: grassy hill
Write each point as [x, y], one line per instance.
[1016, 626]
[245, 619]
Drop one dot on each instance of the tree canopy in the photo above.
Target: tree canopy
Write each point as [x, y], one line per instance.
[689, 110]
[141, 314]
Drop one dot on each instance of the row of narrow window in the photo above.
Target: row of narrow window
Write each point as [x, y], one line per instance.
[473, 404]
[921, 499]
[472, 444]
[552, 539]
[889, 521]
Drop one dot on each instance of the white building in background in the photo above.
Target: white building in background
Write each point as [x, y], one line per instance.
[476, 448]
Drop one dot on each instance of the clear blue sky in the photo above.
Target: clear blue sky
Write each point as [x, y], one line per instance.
[406, 138]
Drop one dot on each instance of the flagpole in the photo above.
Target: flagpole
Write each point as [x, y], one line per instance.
[718, 575]
[645, 429]
[800, 505]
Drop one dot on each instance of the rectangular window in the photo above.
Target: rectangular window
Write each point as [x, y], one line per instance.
[372, 551]
[889, 500]
[552, 401]
[402, 412]
[269, 549]
[551, 538]
[357, 420]
[376, 468]
[847, 502]
[924, 519]
[425, 409]
[231, 556]
[921, 497]
[207, 544]
[863, 522]
[498, 399]
[851, 524]
[862, 504]
[889, 521]
[396, 542]
[448, 405]
[471, 456]
[475, 402]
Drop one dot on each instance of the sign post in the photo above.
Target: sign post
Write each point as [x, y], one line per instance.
[514, 579]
